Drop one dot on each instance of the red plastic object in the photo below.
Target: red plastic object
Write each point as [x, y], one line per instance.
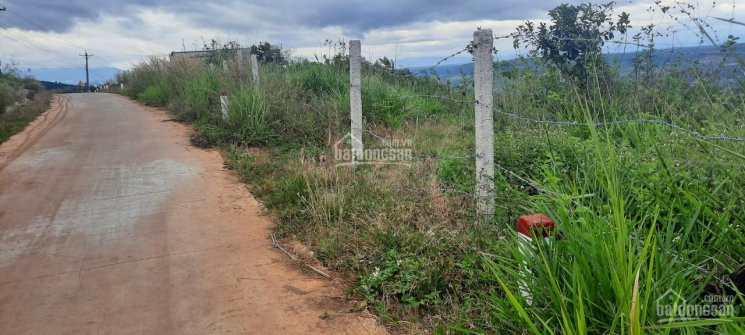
[526, 224]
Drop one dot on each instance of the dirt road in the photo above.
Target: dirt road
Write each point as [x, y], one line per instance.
[111, 223]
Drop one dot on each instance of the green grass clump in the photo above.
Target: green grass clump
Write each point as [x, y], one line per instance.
[319, 78]
[247, 117]
[154, 95]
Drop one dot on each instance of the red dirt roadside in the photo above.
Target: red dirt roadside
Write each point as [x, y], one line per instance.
[110, 222]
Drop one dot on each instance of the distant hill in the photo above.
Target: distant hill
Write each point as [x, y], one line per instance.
[59, 87]
[678, 57]
[71, 75]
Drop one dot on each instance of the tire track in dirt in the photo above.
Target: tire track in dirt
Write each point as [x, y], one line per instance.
[19, 143]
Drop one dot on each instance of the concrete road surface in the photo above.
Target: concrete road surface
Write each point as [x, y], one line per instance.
[111, 223]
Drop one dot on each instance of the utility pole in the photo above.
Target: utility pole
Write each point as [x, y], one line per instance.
[87, 79]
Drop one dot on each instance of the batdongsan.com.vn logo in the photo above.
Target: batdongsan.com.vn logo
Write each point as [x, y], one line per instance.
[383, 151]
[671, 306]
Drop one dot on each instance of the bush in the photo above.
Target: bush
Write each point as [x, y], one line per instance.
[15, 119]
[7, 96]
[381, 103]
[319, 78]
[197, 95]
[247, 117]
[154, 95]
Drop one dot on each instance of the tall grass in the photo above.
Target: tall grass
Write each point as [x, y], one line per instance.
[21, 101]
[641, 208]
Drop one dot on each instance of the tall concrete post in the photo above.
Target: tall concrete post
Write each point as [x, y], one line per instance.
[255, 69]
[483, 82]
[355, 98]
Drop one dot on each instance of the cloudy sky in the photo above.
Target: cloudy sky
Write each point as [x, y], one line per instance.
[51, 33]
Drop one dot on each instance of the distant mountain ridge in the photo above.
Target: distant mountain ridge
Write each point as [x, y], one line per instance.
[59, 87]
[703, 55]
[71, 75]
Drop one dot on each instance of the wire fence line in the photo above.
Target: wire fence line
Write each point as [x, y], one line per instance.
[472, 103]
[625, 121]
[451, 56]
[669, 47]
[575, 123]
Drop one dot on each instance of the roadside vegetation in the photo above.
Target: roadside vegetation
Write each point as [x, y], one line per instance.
[21, 101]
[642, 208]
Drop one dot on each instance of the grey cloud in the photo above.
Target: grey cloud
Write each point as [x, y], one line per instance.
[360, 16]
[355, 17]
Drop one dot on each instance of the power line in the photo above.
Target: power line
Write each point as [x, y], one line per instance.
[65, 43]
[26, 38]
[49, 54]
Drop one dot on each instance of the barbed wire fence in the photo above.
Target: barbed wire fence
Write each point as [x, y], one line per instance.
[483, 193]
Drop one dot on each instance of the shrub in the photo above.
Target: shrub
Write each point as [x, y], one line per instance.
[247, 117]
[15, 119]
[319, 78]
[154, 95]
[7, 96]
[380, 102]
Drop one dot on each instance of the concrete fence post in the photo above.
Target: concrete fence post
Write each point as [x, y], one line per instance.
[121, 86]
[224, 105]
[355, 98]
[255, 69]
[483, 82]
[225, 65]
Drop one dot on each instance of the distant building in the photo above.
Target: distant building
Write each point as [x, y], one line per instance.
[190, 55]
[202, 54]
[265, 52]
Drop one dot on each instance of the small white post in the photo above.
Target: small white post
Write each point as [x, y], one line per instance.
[527, 227]
[483, 82]
[225, 66]
[355, 98]
[121, 86]
[224, 105]
[255, 69]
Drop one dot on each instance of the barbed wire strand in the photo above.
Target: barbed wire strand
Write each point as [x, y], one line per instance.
[626, 121]
[448, 58]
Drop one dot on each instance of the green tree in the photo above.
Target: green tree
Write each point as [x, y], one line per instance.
[267, 53]
[573, 39]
